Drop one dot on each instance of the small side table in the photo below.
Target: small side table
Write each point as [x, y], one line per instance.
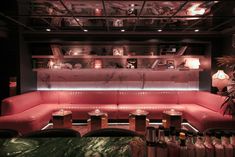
[98, 120]
[62, 119]
[172, 118]
[138, 120]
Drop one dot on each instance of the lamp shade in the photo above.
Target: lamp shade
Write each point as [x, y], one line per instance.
[192, 63]
[220, 80]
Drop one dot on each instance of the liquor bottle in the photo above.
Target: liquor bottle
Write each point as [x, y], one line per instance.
[190, 145]
[219, 148]
[173, 146]
[228, 148]
[183, 147]
[210, 150]
[233, 143]
[167, 135]
[151, 141]
[199, 146]
[161, 149]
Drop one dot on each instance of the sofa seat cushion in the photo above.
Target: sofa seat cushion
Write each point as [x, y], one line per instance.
[155, 110]
[203, 118]
[29, 120]
[37, 117]
[80, 111]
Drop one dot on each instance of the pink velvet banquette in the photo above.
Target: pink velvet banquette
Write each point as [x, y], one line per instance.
[32, 111]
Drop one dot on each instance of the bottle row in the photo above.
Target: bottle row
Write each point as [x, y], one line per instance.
[162, 142]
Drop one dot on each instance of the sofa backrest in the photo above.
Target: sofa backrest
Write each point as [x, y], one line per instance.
[209, 100]
[148, 97]
[187, 97]
[20, 103]
[50, 97]
[79, 97]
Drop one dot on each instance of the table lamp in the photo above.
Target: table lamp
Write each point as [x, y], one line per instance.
[220, 80]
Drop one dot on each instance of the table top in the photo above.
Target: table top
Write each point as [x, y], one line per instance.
[97, 112]
[73, 147]
[61, 113]
[172, 112]
[139, 112]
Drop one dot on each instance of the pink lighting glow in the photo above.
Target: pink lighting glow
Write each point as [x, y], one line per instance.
[98, 64]
[192, 63]
[50, 64]
[196, 10]
[220, 80]
[98, 12]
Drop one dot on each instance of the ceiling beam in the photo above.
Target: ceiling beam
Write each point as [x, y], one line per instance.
[130, 17]
[138, 16]
[72, 15]
[221, 24]
[105, 14]
[161, 0]
[228, 31]
[178, 33]
[203, 18]
[17, 22]
[44, 20]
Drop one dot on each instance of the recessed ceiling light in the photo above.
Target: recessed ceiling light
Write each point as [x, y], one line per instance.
[123, 30]
[196, 30]
[159, 30]
[48, 29]
[132, 5]
[85, 30]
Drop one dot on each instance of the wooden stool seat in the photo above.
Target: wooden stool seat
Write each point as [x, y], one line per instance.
[98, 120]
[62, 119]
[138, 120]
[172, 118]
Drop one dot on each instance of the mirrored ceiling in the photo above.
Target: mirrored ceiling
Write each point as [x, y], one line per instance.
[129, 16]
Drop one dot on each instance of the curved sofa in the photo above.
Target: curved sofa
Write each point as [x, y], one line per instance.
[32, 111]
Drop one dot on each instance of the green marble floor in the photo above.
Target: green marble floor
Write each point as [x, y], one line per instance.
[73, 147]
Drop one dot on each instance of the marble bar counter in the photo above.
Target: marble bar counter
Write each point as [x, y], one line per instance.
[73, 147]
[119, 79]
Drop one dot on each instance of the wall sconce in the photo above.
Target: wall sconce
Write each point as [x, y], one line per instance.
[192, 63]
[220, 80]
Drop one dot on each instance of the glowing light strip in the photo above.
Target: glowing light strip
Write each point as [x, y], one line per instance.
[114, 89]
[49, 124]
[157, 123]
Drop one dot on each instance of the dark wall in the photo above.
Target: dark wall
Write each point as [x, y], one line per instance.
[9, 64]
[28, 80]
[228, 49]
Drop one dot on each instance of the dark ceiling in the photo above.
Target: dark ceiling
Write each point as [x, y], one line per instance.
[123, 16]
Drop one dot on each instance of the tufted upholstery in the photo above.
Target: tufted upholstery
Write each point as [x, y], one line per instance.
[31, 111]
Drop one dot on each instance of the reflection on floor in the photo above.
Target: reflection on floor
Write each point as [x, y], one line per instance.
[83, 129]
